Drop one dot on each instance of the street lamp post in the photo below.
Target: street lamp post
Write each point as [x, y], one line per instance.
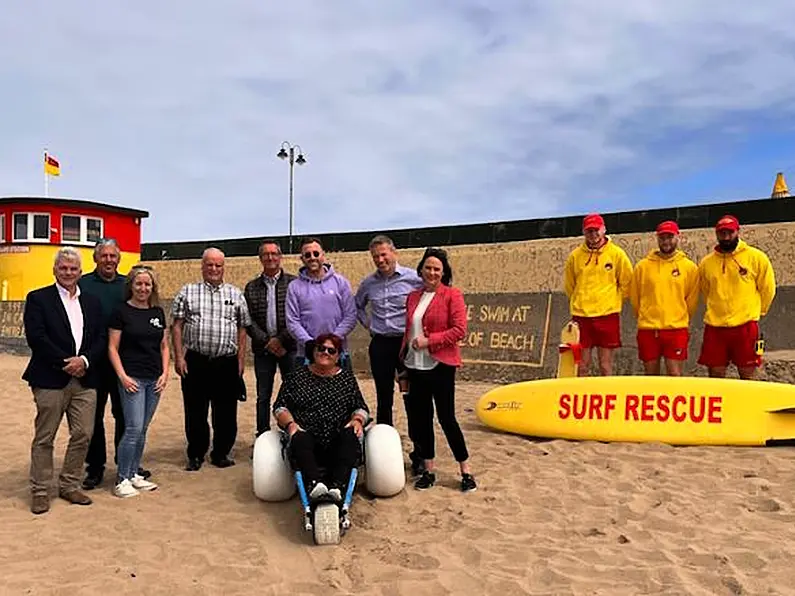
[288, 151]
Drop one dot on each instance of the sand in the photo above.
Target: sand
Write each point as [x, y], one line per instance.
[552, 517]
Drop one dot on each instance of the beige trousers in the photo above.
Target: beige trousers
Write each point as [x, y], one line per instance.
[79, 405]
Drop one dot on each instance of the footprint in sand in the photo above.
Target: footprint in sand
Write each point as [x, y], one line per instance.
[733, 585]
[417, 562]
[763, 504]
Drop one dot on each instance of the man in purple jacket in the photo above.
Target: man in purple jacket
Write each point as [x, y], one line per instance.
[319, 300]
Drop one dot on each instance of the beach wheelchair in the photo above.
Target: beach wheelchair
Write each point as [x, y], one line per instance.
[275, 480]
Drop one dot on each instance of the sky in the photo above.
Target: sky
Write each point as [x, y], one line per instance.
[409, 113]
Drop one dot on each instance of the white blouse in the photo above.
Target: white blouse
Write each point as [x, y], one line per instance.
[419, 359]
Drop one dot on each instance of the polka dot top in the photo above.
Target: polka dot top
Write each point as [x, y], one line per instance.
[321, 405]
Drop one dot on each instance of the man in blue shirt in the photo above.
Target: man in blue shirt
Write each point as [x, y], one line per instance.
[385, 292]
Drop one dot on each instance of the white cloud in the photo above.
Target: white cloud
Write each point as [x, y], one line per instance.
[411, 113]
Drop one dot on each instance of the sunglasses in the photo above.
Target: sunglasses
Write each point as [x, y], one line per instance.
[311, 253]
[143, 267]
[330, 350]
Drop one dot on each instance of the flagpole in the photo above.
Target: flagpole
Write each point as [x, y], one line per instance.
[46, 178]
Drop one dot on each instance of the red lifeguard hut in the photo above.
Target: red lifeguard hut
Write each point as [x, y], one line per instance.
[32, 229]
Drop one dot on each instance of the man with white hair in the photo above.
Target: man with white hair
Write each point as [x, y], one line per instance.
[67, 337]
[209, 331]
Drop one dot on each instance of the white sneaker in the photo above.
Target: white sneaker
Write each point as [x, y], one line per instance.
[335, 494]
[125, 489]
[142, 484]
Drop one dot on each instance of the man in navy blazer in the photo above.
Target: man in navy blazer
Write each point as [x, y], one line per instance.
[65, 333]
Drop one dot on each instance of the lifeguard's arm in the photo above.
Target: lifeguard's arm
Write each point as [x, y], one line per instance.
[624, 276]
[766, 282]
[569, 276]
[692, 291]
[634, 290]
[703, 282]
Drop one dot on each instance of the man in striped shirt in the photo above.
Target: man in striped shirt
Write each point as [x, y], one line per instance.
[209, 331]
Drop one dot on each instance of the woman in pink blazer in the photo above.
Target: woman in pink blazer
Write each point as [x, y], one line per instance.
[436, 321]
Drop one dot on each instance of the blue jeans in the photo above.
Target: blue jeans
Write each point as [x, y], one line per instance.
[139, 407]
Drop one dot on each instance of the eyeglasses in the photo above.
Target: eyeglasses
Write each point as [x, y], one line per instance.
[330, 350]
[142, 267]
[311, 253]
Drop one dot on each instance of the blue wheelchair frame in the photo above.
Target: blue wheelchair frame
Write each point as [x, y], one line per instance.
[308, 507]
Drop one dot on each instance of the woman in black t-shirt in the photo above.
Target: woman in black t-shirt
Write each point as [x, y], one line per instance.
[138, 351]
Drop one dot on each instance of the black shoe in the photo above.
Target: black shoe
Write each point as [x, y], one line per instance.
[224, 462]
[92, 480]
[427, 480]
[468, 483]
[144, 473]
[194, 464]
[417, 464]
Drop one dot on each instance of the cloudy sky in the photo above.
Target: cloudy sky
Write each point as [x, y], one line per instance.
[409, 112]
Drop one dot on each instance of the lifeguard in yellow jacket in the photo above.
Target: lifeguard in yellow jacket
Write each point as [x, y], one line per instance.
[738, 285]
[664, 296]
[597, 279]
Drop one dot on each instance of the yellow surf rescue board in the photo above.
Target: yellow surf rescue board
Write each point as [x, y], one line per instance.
[673, 410]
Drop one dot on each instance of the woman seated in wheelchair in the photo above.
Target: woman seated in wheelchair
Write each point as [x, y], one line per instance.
[321, 409]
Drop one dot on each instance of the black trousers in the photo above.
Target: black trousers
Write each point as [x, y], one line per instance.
[338, 458]
[384, 364]
[265, 370]
[216, 382]
[435, 386]
[108, 385]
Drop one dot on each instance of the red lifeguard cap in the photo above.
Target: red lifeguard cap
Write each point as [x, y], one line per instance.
[668, 227]
[594, 220]
[728, 222]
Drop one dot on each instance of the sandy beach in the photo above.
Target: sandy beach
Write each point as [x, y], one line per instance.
[549, 517]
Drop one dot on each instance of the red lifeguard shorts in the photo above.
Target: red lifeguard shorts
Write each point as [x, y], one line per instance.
[668, 343]
[723, 345]
[600, 332]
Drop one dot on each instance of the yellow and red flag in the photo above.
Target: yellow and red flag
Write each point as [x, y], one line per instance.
[51, 165]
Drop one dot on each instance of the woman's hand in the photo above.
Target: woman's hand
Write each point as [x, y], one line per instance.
[420, 342]
[161, 383]
[357, 426]
[129, 384]
[293, 428]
